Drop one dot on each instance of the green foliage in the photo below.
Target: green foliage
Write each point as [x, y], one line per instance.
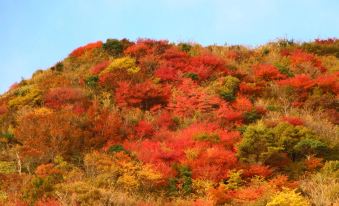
[234, 180]
[259, 142]
[185, 47]
[310, 146]
[228, 88]
[212, 137]
[284, 70]
[114, 47]
[288, 135]
[7, 135]
[322, 49]
[117, 148]
[255, 143]
[251, 116]
[182, 183]
[288, 198]
[191, 75]
[92, 81]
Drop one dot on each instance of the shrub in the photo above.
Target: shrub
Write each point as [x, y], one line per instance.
[310, 146]
[288, 198]
[89, 47]
[124, 63]
[99, 67]
[26, 95]
[114, 47]
[267, 72]
[60, 96]
[92, 81]
[145, 95]
[228, 88]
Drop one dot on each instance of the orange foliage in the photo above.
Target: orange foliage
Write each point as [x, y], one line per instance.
[313, 163]
[88, 47]
[300, 82]
[293, 120]
[267, 72]
[45, 170]
[257, 170]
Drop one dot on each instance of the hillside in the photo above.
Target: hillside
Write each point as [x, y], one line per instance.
[156, 123]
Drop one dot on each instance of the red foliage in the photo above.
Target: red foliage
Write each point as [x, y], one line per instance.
[242, 103]
[166, 73]
[313, 163]
[249, 88]
[257, 170]
[300, 82]
[213, 164]
[205, 65]
[326, 41]
[267, 72]
[293, 120]
[81, 50]
[14, 86]
[165, 120]
[99, 67]
[57, 97]
[231, 115]
[144, 95]
[298, 57]
[147, 47]
[190, 99]
[144, 129]
[137, 50]
[329, 82]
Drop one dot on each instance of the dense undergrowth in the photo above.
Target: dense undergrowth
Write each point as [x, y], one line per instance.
[155, 123]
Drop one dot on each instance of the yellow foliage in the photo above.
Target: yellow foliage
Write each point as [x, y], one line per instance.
[148, 174]
[124, 63]
[128, 181]
[3, 196]
[201, 187]
[288, 198]
[7, 167]
[121, 170]
[26, 95]
[192, 153]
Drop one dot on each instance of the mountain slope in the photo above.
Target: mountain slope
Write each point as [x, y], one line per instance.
[151, 122]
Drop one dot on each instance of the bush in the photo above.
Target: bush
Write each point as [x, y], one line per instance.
[81, 50]
[113, 47]
[92, 81]
[310, 146]
[26, 95]
[288, 198]
[124, 63]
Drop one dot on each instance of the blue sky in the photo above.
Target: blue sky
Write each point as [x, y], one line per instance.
[35, 34]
